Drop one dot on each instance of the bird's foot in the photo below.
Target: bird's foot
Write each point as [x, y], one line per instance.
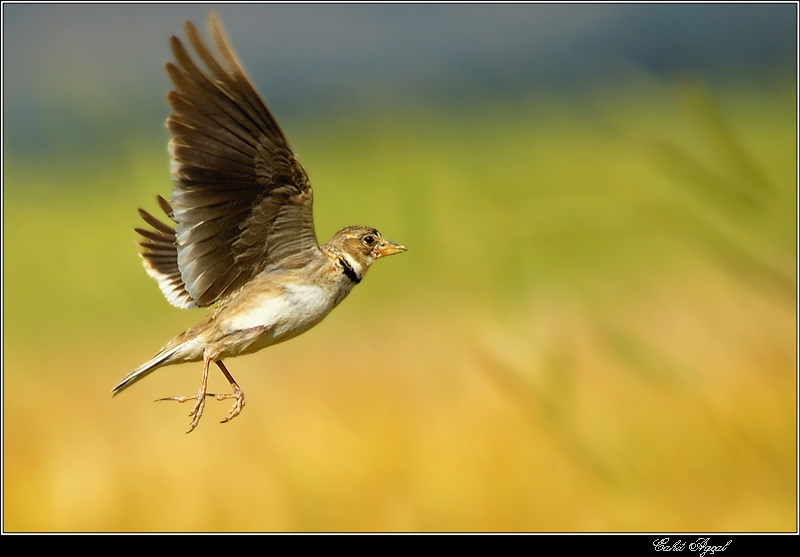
[199, 405]
[237, 406]
[200, 397]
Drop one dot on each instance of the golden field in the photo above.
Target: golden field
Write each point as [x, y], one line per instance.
[594, 329]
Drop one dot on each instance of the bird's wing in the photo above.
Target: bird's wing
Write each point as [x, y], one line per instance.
[241, 201]
[160, 257]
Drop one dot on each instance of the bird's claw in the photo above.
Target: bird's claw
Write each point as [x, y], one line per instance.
[237, 406]
[200, 403]
[197, 411]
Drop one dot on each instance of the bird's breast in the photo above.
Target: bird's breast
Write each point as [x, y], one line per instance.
[281, 314]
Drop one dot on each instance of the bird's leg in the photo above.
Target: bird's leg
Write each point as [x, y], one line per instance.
[199, 398]
[237, 393]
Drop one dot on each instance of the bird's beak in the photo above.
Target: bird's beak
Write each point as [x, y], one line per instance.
[388, 248]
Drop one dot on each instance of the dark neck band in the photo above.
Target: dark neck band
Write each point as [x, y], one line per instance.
[348, 270]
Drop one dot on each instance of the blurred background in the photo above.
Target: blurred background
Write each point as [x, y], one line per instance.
[593, 329]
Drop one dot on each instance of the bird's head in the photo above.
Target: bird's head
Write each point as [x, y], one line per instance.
[358, 247]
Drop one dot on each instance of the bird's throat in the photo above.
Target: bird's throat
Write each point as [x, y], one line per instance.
[348, 270]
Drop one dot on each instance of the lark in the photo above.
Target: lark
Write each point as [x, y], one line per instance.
[240, 235]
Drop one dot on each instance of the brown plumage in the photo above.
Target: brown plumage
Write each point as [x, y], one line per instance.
[243, 235]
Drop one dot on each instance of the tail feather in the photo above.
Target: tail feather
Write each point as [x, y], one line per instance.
[146, 369]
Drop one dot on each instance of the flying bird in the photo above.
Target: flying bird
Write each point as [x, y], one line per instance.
[240, 235]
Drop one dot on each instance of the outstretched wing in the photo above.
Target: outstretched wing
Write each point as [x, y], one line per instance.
[160, 257]
[241, 201]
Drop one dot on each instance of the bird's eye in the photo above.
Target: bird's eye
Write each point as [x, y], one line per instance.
[369, 240]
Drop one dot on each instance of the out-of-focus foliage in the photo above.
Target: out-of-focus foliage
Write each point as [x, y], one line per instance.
[593, 329]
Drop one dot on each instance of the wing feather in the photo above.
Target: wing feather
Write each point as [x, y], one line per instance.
[160, 257]
[241, 201]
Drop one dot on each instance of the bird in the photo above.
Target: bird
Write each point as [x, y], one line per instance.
[240, 235]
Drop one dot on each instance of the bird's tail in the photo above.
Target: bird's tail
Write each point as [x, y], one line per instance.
[147, 368]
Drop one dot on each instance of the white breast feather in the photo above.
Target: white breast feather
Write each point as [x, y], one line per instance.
[295, 310]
